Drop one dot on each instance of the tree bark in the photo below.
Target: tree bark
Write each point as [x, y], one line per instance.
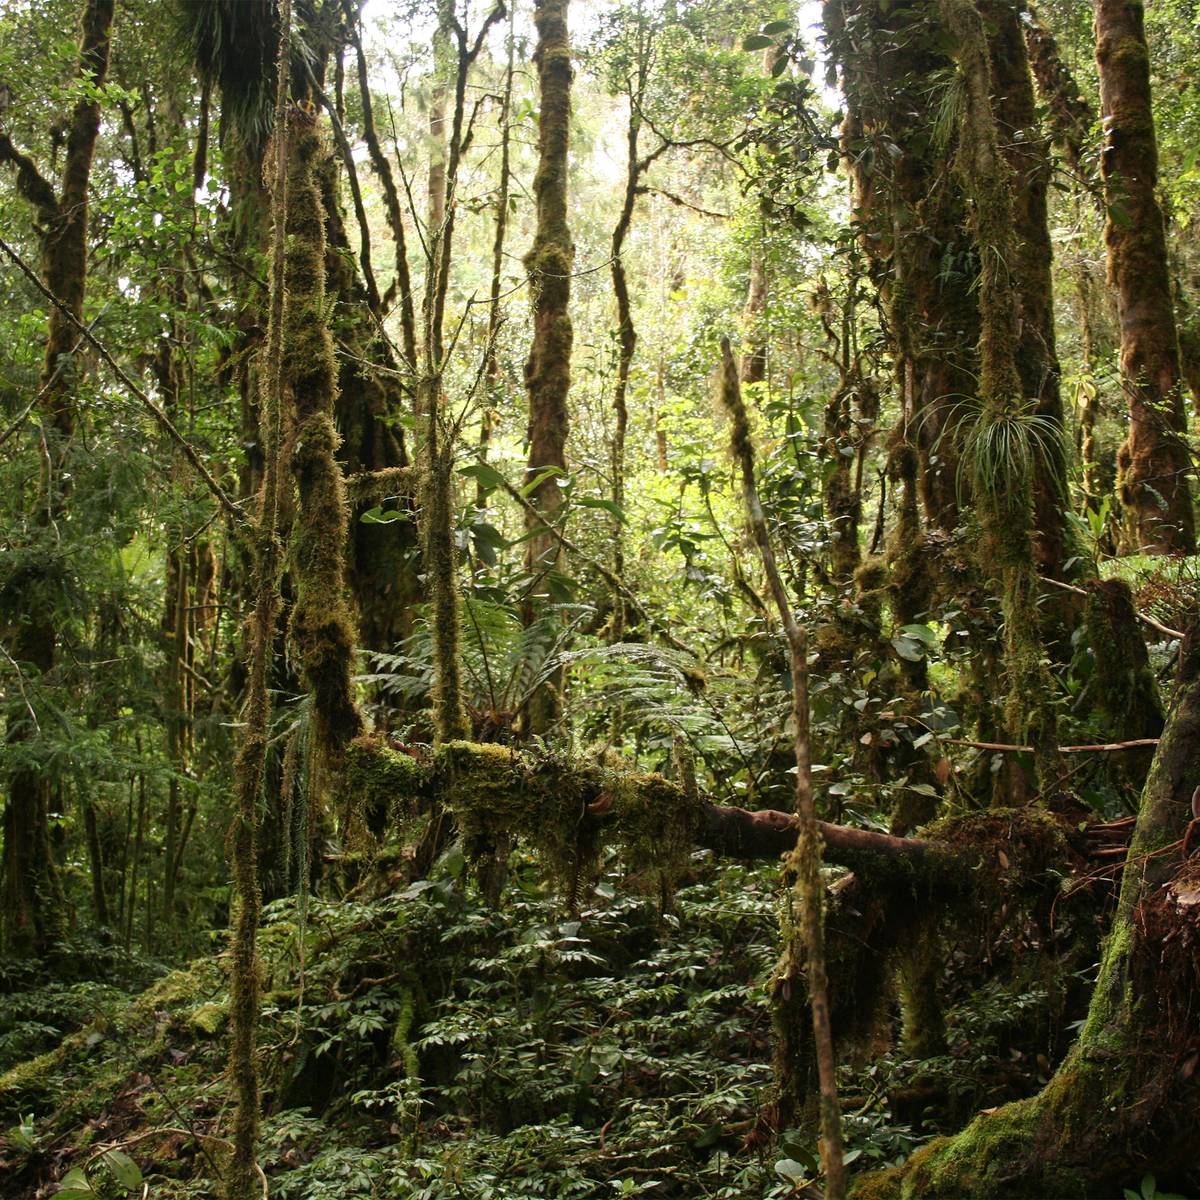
[627, 337]
[1153, 460]
[911, 218]
[549, 263]
[321, 628]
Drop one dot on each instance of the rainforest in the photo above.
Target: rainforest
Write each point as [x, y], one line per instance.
[599, 599]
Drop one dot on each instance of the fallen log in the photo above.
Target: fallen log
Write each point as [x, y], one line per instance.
[568, 808]
[743, 833]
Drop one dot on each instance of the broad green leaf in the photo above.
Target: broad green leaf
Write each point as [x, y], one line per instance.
[380, 516]
[124, 1170]
[610, 506]
[483, 473]
[531, 485]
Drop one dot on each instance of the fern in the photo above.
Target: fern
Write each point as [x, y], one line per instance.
[504, 662]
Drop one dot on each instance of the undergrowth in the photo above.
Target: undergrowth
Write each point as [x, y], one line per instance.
[423, 1045]
[429, 1046]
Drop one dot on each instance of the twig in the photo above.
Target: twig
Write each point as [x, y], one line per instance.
[1166, 631]
[21, 687]
[1003, 747]
[646, 190]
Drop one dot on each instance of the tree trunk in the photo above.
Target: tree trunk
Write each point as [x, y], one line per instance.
[626, 334]
[549, 263]
[1027, 154]
[381, 567]
[495, 376]
[321, 628]
[911, 218]
[1005, 485]
[1153, 461]
[753, 367]
[1069, 114]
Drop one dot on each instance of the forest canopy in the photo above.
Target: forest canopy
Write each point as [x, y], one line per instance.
[599, 598]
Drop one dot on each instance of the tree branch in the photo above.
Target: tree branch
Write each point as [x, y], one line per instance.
[31, 183]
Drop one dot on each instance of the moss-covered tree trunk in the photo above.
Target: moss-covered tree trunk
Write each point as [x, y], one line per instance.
[549, 263]
[380, 556]
[32, 900]
[1027, 153]
[910, 215]
[1005, 443]
[1069, 115]
[1125, 1099]
[627, 337]
[250, 765]
[321, 628]
[1153, 460]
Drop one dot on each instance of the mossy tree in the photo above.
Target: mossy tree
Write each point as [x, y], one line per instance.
[550, 263]
[1026, 151]
[250, 766]
[1008, 438]
[1153, 461]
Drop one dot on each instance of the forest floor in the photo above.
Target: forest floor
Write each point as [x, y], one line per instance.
[419, 1044]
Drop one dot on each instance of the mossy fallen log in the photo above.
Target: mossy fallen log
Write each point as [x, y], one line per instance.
[568, 807]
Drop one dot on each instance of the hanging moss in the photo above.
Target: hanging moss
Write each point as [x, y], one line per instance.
[923, 1022]
[566, 808]
[383, 786]
[882, 924]
[498, 794]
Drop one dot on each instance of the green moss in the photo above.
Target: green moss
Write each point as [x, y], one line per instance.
[209, 1019]
[877, 1185]
[566, 808]
[322, 627]
[497, 794]
[380, 781]
[657, 822]
[89, 1067]
[922, 1018]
